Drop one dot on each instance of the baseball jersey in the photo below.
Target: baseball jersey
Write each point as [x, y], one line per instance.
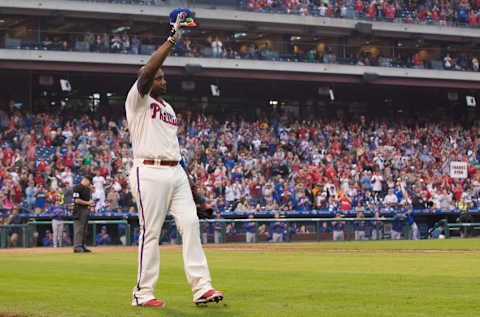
[57, 212]
[153, 127]
[98, 182]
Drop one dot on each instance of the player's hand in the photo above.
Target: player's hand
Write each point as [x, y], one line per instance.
[175, 30]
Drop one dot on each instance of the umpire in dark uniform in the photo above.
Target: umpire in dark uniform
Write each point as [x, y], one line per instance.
[82, 206]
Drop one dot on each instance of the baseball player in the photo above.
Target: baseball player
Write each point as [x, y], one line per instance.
[338, 233]
[397, 225]
[160, 184]
[57, 211]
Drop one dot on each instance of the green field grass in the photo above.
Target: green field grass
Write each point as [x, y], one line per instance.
[302, 280]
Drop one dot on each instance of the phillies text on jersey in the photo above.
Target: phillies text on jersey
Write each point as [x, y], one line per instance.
[153, 127]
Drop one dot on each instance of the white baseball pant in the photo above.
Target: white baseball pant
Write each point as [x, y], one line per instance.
[359, 235]
[277, 237]
[338, 235]
[250, 237]
[413, 231]
[158, 189]
[396, 235]
[57, 229]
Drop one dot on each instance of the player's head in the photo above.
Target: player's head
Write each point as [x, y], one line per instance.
[159, 86]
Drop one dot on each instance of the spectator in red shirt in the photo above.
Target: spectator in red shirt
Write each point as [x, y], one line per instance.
[42, 164]
[345, 203]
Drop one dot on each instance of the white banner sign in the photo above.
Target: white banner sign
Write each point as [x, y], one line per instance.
[458, 170]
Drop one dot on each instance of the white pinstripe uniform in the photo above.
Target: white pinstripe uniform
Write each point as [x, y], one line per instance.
[158, 189]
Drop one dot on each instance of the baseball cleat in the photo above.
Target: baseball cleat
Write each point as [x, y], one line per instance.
[153, 303]
[209, 297]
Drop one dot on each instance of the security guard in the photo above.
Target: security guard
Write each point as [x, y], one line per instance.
[83, 205]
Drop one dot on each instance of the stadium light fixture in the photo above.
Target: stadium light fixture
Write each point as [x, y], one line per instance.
[239, 35]
[121, 29]
[215, 90]
[471, 101]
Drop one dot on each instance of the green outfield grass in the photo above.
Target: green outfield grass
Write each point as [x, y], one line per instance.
[301, 280]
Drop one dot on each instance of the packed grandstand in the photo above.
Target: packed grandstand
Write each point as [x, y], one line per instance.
[273, 163]
[451, 13]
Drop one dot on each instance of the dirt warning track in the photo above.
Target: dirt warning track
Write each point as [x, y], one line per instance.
[298, 248]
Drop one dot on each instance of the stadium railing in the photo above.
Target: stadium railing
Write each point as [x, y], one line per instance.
[464, 229]
[28, 234]
[314, 229]
[328, 52]
[216, 230]
[25, 213]
[230, 227]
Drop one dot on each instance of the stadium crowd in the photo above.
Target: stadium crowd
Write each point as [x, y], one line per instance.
[273, 163]
[451, 13]
[444, 12]
[224, 47]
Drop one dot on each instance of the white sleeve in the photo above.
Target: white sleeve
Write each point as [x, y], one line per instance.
[135, 101]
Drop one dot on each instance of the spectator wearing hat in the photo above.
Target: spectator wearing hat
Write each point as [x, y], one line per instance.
[286, 203]
[57, 212]
[67, 241]
[103, 238]
[47, 240]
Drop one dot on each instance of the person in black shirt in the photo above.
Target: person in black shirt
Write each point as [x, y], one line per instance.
[83, 205]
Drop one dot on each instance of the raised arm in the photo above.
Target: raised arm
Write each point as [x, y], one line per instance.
[147, 72]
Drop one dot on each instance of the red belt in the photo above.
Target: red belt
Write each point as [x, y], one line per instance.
[162, 162]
